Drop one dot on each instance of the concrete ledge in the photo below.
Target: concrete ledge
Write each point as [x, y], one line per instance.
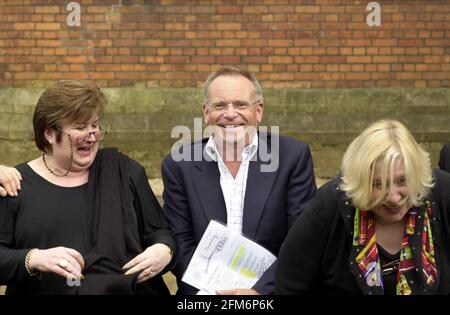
[140, 120]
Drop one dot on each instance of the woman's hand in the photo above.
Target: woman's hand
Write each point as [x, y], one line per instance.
[149, 263]
[9, 181]
[62, 261]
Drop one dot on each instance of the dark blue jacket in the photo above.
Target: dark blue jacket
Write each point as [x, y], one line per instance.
[193, 197]
[444, 158]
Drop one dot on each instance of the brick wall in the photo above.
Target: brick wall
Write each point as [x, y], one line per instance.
[150, 56]
[175, 43]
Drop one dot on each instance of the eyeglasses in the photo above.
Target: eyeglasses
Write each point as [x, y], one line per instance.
[81, 136]
[237, 105]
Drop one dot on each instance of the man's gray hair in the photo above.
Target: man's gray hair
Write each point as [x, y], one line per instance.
[228, 71]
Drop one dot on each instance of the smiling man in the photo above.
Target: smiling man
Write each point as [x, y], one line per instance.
[234, 108]
[231, 184]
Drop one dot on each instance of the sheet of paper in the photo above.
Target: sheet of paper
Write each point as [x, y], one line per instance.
[225, 259]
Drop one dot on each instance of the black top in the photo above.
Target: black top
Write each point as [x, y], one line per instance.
[45, 215]
[315, 257]
[389, 269]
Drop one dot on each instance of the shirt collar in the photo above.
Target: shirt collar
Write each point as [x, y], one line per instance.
[247, 154]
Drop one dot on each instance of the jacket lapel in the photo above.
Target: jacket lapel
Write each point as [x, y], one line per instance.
[347, 212]
[259, 186]
[206, 181]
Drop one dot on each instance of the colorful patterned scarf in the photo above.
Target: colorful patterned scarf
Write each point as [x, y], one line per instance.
[367, 259]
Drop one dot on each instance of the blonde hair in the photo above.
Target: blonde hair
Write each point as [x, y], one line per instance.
[384, 142]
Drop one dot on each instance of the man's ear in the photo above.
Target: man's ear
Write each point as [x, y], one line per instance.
[259, 112]
[205, 110]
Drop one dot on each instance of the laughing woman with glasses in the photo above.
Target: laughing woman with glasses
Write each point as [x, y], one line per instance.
[86, 220]
[382, 227]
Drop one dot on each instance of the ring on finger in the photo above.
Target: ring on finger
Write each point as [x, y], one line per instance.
[63, 263]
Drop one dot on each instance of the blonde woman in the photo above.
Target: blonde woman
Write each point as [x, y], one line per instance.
[381, 227]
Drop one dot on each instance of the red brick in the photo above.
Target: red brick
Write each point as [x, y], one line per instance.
[203, 59]
[319, 51]
[24, 26]
[411, 59]
[307, 76]
[385, 59]
[358, 42]
[281, 76]
[307, 9]
[345, 51]
[359, 51]
[357, 76]
[280, 51]
[228, 26]
[306, 42]
[280, 59]
[46, 9]
[203, 9]
[229, 42]
[254, 9]
[438, 42]
[384, 42]
[384, 67]
[410, 42]
[229, 9]
[358, 67]
[332, 59]
[359, 59]
[48, 43]
[98, 9]
[408, 76]
[172, 59]
[307, 59]
[279, 43]
[228, 59]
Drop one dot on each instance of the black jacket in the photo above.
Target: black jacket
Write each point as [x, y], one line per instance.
[109, 221]
[444, 158]
[315, 255]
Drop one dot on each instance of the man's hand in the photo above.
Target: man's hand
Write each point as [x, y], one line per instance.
[9, 181]
[238, 292]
